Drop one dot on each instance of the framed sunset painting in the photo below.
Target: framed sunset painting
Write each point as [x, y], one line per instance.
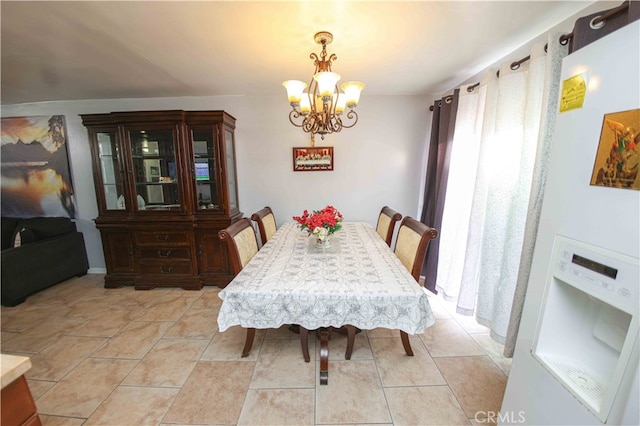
[34, 163]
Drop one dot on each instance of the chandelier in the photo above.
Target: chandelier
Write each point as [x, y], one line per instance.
[320, 109]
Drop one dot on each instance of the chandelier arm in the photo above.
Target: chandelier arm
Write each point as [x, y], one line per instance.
[334, 100]
[308, 123]
[318, 125]
[351, 115]
[294, 114]
[334, 125]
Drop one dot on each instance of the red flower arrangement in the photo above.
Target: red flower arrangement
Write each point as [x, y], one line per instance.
[320, 223]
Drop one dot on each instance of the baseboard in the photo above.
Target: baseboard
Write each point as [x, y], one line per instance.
[97, 271]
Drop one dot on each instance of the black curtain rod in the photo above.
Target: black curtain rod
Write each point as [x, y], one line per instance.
[564, 39]
[446, 99]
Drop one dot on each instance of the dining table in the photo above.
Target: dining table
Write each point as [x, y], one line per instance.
[356, 280]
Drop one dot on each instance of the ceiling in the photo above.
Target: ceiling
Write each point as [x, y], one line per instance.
[95, 50]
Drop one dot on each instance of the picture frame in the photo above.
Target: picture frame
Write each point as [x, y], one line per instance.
[36, 174]
[617, 161]
[311, 159]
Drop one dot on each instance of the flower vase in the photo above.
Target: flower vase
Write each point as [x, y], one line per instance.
[326, 242]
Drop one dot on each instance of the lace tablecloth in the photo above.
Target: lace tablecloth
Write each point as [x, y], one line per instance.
[358, 281]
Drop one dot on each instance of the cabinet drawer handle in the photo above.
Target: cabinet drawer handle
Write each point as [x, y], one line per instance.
[167, 254]
[169, 269]
[165, 237]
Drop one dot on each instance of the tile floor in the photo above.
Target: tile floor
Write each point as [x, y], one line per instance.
[125, 357]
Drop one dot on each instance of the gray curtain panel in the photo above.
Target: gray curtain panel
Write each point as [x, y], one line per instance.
[435, 188]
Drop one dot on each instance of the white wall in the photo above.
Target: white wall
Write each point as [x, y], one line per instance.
[378, 162]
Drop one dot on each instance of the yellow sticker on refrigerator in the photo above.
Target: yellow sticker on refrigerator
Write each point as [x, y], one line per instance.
[573, 93]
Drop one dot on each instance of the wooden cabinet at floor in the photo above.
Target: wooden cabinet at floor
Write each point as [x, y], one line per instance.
[18, 406]
[165, 185]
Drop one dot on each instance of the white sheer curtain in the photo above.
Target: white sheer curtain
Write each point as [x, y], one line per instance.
[465, 150]
[498, 128]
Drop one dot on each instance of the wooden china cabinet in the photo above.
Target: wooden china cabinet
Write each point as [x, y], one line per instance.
[165, 185]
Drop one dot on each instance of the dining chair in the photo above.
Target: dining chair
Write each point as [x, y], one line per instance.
[411, 246]
[266, 223]
[242, 245]
[387, 223]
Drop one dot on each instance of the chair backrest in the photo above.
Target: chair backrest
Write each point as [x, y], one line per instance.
[266, 223]
[411, 244]
[242, 243]
[387, 223]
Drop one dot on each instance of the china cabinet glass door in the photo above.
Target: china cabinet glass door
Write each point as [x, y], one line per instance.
[206, 167]
[111, 169]
[155, 169]
[231, 171]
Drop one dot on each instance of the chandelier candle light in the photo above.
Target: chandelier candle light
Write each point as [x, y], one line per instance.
[322, 106]
[321, 224]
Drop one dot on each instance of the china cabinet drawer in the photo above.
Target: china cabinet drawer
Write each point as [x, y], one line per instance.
[163, 237]
[165, 253]
[174, 267]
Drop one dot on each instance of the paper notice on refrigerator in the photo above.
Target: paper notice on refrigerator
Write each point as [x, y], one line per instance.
[573, 93]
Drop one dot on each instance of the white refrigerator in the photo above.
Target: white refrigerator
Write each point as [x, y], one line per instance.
[576, 355]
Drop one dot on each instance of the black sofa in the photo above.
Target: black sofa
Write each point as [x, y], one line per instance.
[38, 253]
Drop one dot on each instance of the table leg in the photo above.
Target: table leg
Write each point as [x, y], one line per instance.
[304, 341]
[248, 343]
[405, 342]
[324, 356]
[351, 335]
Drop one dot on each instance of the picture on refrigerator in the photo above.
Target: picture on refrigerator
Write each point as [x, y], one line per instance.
[618, 157]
